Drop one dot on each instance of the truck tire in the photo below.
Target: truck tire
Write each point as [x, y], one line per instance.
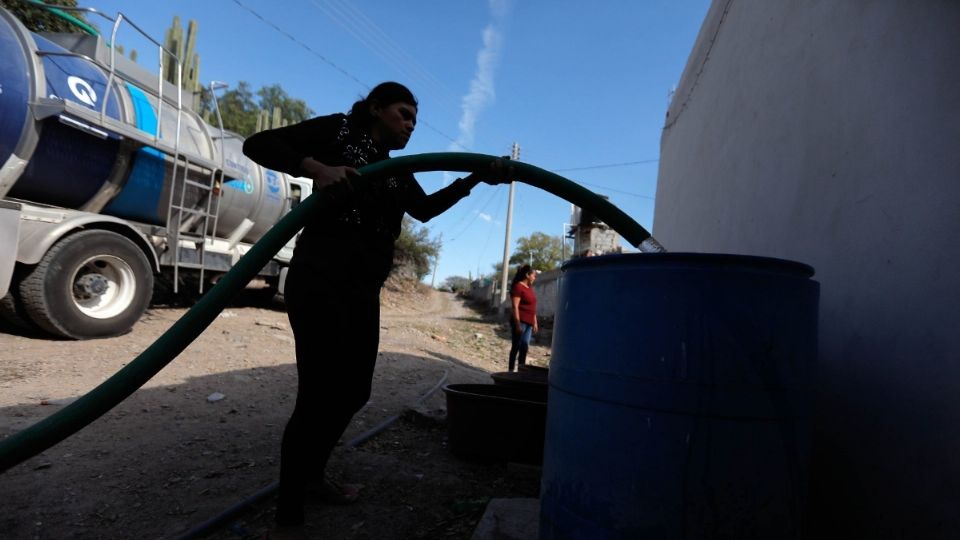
[91, 284]
[11, 312]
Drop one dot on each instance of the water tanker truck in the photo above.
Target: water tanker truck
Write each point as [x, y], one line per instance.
[110, 184]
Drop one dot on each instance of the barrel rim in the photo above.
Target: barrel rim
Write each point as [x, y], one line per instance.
[464, 390]
[691, 259]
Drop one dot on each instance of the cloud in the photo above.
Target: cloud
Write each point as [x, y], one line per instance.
[487, 217]
[482, 91]
[500, 8]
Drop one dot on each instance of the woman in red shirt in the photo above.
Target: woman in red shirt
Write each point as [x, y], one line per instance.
[523, 314]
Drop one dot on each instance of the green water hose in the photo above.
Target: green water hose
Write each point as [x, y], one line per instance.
[79, 23]
[72, 418]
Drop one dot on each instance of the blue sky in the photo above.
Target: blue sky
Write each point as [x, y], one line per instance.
[577, 85]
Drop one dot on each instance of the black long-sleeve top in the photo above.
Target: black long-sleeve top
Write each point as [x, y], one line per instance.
[362, 226]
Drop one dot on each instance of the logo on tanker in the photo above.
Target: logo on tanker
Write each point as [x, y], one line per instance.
[273, 182]
[240, 184]
[82, 90]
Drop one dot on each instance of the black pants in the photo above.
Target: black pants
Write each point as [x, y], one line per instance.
[336, 325]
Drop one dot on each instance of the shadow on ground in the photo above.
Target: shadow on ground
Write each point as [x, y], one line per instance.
[250, 297]
[167, 459]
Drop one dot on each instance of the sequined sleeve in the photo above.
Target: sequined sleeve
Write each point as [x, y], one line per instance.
[282, 149]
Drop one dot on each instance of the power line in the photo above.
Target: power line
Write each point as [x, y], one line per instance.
[334, 65]
[474, 203]
[610, 166]
[428, 125]
[607, 165]
[489, 232]
[605, 188]
[361, 27]
[302, 44]
[445, 136]
[493, 192]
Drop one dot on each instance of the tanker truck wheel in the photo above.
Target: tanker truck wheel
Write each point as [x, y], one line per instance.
[12, 313]
[91, 284]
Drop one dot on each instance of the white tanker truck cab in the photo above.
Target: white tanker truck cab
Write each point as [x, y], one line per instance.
[110, 185]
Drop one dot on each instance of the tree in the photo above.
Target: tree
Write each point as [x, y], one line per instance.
[539, 250]
[238, 110]
[415, 251]
[38, 19]
[457, 284]
[291, 109]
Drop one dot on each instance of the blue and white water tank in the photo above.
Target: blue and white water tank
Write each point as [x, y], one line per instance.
[74, 161]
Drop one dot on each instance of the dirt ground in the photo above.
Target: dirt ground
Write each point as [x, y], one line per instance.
[204, 434]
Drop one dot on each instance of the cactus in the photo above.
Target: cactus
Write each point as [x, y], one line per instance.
[275, 123]
[184, 49]
[172, 42]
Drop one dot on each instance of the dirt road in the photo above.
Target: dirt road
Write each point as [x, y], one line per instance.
[204, 433]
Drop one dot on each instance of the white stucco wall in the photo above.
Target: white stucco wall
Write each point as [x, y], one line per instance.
[546, 288]
[828, 131]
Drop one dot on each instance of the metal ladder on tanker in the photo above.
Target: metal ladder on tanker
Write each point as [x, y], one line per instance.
[212, 173]
[200, 224]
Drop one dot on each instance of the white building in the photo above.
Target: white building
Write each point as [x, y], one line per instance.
[828, 132]
[589, 234]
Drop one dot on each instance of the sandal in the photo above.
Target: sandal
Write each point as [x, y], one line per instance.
[331, 492]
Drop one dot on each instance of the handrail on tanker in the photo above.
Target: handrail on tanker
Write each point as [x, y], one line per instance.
[60, 425]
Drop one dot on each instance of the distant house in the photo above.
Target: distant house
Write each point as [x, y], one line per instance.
[590, 235]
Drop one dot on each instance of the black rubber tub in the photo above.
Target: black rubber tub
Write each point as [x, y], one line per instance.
[491, 422]
[527, 376]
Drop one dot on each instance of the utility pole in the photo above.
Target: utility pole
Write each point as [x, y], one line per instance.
[436, 263]
[514, 155]
[563, 244]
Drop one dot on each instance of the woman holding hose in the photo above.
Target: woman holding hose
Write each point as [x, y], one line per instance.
[333, 301]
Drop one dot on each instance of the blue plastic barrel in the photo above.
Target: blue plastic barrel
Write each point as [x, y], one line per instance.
[679, 391]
